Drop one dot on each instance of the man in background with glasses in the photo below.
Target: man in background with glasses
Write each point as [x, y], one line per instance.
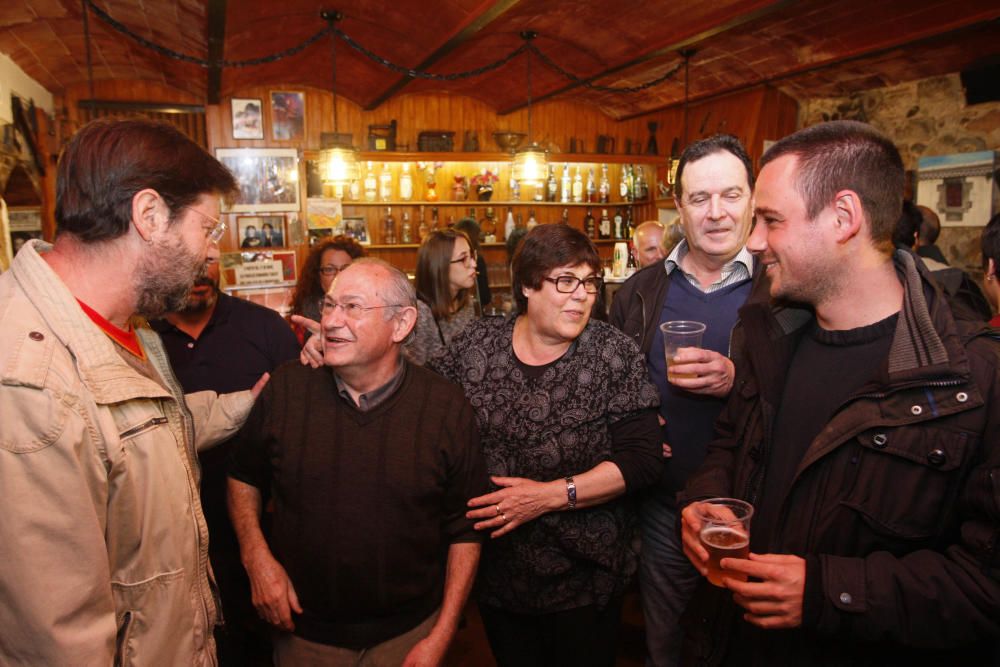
[103, 541]
[369, 461]
[706, 278]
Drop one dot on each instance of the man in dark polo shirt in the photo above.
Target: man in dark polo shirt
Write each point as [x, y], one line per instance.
[224, 344]
[370, 461]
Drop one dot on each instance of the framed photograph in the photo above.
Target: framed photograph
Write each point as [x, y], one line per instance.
[268, 178]
[248, 121]
[25, 224]
[356, 228]
[288, 119]
[261, 231]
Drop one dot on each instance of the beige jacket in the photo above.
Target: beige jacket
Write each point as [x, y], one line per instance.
[103, 545]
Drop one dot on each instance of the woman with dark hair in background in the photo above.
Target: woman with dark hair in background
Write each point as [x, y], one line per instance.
[484, 297]
[326, 259]
[991, 262]
[566, 418]
[446, 276]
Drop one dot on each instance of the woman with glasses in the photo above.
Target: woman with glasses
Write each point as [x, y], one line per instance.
[567, 420]
[446, 276]
[326, 259]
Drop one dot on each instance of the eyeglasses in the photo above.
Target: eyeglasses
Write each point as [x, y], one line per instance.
[352, 311]
[332, 269]
[703, 199]
[466, 259]
[568, 284]
[213, 235]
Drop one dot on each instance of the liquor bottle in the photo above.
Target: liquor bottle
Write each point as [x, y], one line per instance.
[532, 223]
[406, 232]
[435, 223]
[338, 191]
[588, 224]
[577, 187]
[623, 186]
[519, 222]
[604, 192]
[515, 190]
[631, 267]
[552, 186]
[564, 218]
[488, 227]
[641, 188]
[355, 190]
[539, 192]
[629, 223]
[618, 227]
[385, 183]
[423, 230]
[567, 185]
[508, 225]
[630, 181]
[618, 222]
[389, 227]
[604, 228]
[371, 184]
[591, 187]
[406, 183]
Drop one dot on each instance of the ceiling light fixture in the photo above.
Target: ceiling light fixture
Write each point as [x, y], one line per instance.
[339, 159]
[531, 162]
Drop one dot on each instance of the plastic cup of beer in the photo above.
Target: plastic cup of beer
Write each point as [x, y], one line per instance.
[678, 334]
[725, 533]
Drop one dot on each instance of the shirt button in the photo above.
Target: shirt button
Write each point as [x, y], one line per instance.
[961, 397]
[36, 335]
[937, 457]
[190, 346]
[879, 439]
[916, 409]
[845, 598]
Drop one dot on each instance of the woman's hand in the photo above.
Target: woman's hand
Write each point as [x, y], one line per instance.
[518, 502]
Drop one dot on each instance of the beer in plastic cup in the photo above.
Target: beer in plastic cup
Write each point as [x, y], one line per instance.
[725, 533]
[678, 334]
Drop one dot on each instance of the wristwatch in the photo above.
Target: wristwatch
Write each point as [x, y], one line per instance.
[570, 493]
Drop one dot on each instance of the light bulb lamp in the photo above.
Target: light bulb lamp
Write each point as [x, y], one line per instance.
[531, 162]
[339, 159]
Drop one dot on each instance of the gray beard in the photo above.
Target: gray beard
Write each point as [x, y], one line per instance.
[165, 279]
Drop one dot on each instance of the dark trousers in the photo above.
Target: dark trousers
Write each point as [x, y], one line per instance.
[582, 637]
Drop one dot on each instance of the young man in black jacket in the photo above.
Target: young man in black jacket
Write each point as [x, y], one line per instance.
[864, 426]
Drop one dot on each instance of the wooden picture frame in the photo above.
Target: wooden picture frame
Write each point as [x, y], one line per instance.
[261, 231]
[288, 115]
[357, 228]
[268, 178]
[247, 118]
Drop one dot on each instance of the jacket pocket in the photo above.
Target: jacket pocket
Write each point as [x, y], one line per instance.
[156, 616]
[907, 479]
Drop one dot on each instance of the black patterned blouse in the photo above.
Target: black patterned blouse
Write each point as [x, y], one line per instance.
[593, 404]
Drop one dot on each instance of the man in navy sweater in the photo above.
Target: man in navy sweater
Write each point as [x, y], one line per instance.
[706, 278]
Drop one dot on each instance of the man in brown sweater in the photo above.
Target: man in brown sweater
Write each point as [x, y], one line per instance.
[370, 461]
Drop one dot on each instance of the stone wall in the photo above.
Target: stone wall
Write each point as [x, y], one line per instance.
[924, 117]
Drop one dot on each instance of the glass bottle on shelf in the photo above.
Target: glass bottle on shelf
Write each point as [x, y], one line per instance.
[338, 191]
[629, 223]
[515, 190]
[552, 185]
[406, 183]
[539, 192]
[623, 184]
[577, 187]
[639, 179]
[354, 191]
[591, 187]
[618, 221]
[588, 224]
[423, 230]
[631, 267]
[435, 222]
[508, 225]
[488, 227]
[371, 184]
[618, 227]
[567, 185]
[532, 223]
[385, 183]
[604, 191]
[604, 227]
[389, 227]
[564, 218]
[406, 232]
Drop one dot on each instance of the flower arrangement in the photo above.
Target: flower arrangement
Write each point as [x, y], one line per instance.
[483, 183]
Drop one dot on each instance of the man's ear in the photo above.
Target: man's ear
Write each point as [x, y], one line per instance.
[405, 319]
[149, 213]
[849, 215]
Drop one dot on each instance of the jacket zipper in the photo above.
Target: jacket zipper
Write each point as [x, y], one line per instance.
[148, 424]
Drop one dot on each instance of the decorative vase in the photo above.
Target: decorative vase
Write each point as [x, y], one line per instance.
[459, 191]
[484, 191]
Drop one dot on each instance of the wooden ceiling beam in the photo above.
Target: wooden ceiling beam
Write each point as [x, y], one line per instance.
[672, 48]
[468, 32]
[216, 27]
[812, 68]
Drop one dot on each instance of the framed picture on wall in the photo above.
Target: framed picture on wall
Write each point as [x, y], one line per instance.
[288, 119]
[357, 228]
[261, 231]
[268, 178]
[248, 120]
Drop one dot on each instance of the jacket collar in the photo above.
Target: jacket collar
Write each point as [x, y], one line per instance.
[101, 368]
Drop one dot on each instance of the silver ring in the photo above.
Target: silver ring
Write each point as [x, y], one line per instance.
[498, 509]
[503, 517]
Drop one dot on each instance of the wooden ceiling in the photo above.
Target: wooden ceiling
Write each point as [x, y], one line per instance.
[809, 48]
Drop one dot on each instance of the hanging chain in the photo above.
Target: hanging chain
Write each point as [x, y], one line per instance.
[332, 30]
[527, 36]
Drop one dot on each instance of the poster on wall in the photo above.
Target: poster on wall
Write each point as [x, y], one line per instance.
[324, 213]
[288, 116]
[265, 267]
[248, 123]
[268, 178]
[25, 223]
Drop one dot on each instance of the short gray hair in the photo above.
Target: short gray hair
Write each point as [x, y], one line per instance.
[399, 290]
